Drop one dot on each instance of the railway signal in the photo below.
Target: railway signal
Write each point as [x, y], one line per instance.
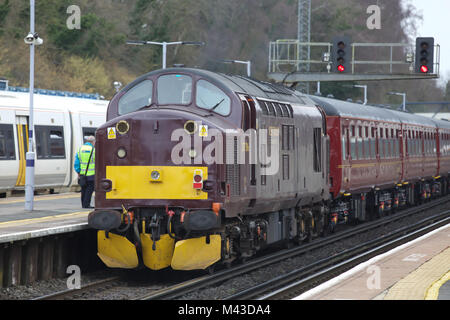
[341, 54]
[424, 55]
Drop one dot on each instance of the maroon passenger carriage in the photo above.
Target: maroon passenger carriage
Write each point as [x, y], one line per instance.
[381, 159]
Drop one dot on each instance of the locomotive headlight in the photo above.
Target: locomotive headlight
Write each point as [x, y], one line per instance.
[122, 127]
[155, 176]
[190, 127]
[121, 153]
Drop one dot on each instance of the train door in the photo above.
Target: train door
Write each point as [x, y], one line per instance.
[9, 163]
[22, 147]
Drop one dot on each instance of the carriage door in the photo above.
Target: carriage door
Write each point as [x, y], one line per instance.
[22, 144]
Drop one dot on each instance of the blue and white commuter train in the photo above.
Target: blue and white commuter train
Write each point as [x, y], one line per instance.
[62, 120]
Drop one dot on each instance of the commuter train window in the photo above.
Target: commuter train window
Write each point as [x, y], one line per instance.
[7, 147]
[175, 89]
[87, 132]
[136, 98]
[50, 142]
[210, 97]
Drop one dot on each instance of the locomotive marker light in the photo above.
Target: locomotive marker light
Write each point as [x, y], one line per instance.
[156, 176]
[164, 46]
[424, 55]
[198, 179]
[121, 153]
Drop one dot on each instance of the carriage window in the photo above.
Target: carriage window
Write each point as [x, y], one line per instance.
[211, 97]
[137, 97]
[50, 142]
[87, 132]
[7, 149]
[174, 89]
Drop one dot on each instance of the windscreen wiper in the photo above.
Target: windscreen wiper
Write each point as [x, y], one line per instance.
[218, 104]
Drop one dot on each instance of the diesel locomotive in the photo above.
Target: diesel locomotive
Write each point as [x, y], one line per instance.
[196, 168]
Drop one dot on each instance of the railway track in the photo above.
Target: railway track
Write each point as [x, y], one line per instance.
[88, 289]
[296, 282]
[184, 288]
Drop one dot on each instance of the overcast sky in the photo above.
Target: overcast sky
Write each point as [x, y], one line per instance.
[436, 23]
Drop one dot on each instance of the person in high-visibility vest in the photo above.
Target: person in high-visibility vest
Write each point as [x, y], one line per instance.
[85, 167]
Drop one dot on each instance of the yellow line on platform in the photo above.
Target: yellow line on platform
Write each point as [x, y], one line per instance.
[71, 196]
[43, 219]
[433, 290]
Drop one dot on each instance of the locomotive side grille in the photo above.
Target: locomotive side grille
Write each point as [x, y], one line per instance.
[233, 171]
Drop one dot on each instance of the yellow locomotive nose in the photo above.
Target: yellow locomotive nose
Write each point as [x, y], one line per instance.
[150, 182]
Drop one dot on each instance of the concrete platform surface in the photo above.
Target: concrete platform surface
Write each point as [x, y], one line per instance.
[418, 270]
[52, 214]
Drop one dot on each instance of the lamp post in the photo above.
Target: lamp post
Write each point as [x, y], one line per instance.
[365, 92]
[248, 63]
[117, 85]
[400, 94]
[164, 46]
[32, 39]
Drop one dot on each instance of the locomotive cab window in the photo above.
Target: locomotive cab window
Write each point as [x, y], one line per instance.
[212, 98]
[175, 89]
[136, 98]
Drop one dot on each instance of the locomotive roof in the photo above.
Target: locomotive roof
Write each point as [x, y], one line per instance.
[235, 83]
[333, 107]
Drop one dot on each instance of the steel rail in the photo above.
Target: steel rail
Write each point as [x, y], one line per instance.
[294, 283]
[195, 284]
[68, 293]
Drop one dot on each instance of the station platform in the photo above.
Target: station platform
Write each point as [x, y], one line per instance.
[52, 214]
[417, 270]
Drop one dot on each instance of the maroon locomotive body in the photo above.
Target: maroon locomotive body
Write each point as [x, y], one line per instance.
[196, 167]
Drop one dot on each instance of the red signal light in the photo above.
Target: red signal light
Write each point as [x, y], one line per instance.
[424, 69]
[341, 68]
